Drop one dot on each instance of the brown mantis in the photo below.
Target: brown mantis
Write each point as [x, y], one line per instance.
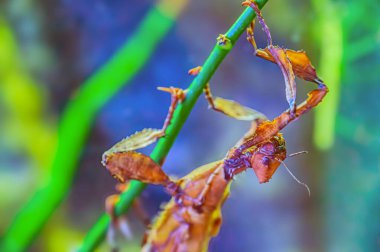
[193, 215]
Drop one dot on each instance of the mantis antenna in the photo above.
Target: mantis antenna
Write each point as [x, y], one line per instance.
[294, 177]
[298, 153]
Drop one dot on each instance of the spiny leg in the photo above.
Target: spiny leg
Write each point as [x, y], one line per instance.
[300, 62]
[228, 107]
[268, 129]
[201, 197]
[250, 35]
[209, 98]
[207, 91]
[178, 194]
[313, 99]
[178, 95]
[117, 222]
[279, 56]
[250, 31]
[121, 222]
[255, 7]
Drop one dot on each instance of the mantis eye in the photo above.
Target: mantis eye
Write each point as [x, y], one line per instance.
[265, 160]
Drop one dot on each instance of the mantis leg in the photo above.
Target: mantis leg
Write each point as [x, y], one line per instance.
[117, 223]
[250, 35]
[209, 98]
[201, 197]
[121, 222]
[178, 95]
[255, 7]
[228, 107]
[268, 129]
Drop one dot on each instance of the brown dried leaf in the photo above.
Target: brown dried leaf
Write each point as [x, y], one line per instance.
[133, 165]
[236, 110]
[136, 141]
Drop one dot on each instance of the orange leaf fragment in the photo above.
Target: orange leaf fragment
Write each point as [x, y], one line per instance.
[133, 165]
[236, 110]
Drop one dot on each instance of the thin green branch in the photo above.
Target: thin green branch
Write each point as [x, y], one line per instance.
[78, 117]
[97, 233]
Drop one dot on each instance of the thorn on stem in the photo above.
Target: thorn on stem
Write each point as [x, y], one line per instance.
[195, 71]
[223, 42]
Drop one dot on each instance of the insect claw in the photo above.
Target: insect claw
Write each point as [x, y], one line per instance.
[177, 93]
[165, 89]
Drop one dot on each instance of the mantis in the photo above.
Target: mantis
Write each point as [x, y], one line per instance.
[193, 215]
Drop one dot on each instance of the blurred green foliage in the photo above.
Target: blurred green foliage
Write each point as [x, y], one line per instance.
[352, 173]
[25, 124]
[78, 117]
[328, 23]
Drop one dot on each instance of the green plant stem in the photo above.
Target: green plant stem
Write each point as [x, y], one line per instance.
[97, 233]
[78, 117]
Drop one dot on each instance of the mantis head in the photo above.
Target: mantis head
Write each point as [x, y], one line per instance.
[267, 157]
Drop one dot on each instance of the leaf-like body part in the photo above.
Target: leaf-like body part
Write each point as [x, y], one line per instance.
[136, 141]
[133, 165]
[265, 172]
[185, 227]
[236, 110]
[280, 57]
[265, 54]
[302, 66]
[301, 63]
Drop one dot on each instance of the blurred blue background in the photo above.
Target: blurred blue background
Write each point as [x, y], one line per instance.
[49, 48]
